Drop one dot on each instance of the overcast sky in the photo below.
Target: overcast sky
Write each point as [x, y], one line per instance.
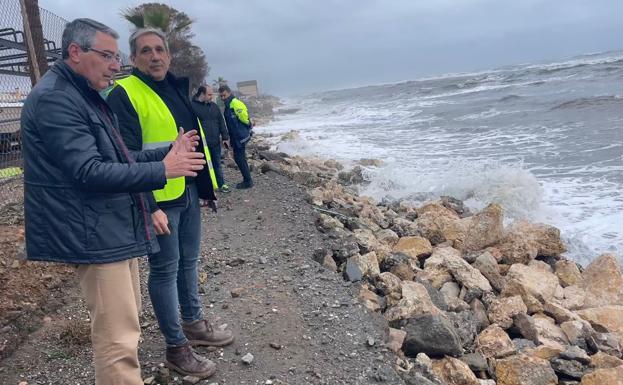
[296, 46]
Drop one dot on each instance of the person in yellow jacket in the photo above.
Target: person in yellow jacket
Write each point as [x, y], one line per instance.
[239, 125]
[151, 104]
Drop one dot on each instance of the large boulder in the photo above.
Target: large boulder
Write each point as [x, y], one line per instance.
[612, 376]
[524, 370]
[608, 319]
[524, 241]
[415, 300]
[447, 261]
[503, 309]
[440, 224]
[535, 284]
[480, 230]
[488, 266]
[359, 266]
[567, 272]
[415, 247]
[433, 335]
[603, 282]
[548, 332]
[493, 342]
[454, 372]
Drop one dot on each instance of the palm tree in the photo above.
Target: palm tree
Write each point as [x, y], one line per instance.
[172, 22]
[186, 58]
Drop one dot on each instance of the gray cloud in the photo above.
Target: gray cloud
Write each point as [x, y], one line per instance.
[301, 46]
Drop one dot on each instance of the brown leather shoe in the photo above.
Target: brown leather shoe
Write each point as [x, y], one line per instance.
[201, 333]
[185, 361]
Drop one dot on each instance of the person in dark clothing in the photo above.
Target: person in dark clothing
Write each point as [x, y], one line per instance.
[83, 192]
[152, 104]
[239, 125]
[215, 130]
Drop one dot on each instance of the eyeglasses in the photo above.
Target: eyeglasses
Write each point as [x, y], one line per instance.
[109, 57]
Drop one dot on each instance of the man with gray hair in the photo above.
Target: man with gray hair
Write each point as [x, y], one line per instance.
[83, 192]
[151, 105]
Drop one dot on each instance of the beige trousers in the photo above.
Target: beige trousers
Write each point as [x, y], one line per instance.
[113, 297]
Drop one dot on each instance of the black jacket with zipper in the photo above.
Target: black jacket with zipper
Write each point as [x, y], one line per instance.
[83, 200]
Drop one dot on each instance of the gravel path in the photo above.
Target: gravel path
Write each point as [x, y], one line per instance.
[301, 323]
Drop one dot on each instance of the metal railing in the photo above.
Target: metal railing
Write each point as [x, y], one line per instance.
[15, 72]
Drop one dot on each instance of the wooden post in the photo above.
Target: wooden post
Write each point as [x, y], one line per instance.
[33, 31]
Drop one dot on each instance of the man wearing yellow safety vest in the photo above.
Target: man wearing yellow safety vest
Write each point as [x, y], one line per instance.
[151, 104]
[239, 126]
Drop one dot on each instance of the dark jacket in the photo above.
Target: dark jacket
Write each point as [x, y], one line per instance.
[212, 122]
[82, 198]
[240, 132]
[130, 127]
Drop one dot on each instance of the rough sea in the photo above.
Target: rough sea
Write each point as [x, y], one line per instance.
[543, 140]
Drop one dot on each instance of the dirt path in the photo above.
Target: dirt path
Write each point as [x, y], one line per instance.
[301, 323]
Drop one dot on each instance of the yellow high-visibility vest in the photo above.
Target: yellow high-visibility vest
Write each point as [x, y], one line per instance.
[159, 130]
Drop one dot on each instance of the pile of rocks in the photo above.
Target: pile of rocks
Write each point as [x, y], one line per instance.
[467, 300]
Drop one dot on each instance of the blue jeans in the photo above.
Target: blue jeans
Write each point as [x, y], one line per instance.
[240, 157]
[173, 275]
[215, 155]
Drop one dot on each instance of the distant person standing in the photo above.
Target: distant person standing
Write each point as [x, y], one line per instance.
[239, 126]
[214, 128]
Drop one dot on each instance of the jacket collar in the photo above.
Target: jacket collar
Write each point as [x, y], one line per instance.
[78, 81]
[181, 83]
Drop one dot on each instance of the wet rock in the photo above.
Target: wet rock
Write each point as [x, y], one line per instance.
[488, 266]
[455, 205]
[567, 272]
[525, 241]
[535, 284]
[480, 230]
[493, 342]
[433, 335]
[437, 223]
[524, 370]
[454, 372]
[603, 282]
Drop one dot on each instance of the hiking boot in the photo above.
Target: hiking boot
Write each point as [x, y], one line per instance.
[244, 185]
[224, 188]
[186, 362]
[201, 333]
